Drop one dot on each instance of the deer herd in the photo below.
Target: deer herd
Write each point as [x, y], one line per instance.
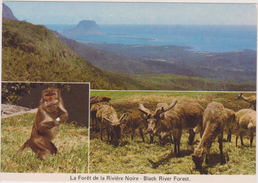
[172, 120]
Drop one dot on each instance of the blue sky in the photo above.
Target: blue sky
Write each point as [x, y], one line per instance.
[134, 13]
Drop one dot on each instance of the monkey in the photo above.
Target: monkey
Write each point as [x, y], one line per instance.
[51, 112]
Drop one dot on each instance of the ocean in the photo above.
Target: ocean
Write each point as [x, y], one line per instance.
[201, 38]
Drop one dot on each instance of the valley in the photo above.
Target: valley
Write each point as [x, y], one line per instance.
[35, 53]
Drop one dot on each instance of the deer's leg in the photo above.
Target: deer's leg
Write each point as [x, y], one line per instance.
[151, 138]
[251, 138]
[132, 134]
[191, 136]
[229, 135]
[220, 139]
[140, 129]
[241, 138]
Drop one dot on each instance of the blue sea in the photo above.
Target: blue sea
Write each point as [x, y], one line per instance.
[201, 38]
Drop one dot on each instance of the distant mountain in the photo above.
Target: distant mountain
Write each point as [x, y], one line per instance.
[84, 28]
[7, 13]
[34, 53]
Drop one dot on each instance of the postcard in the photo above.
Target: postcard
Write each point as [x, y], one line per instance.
[101, 91]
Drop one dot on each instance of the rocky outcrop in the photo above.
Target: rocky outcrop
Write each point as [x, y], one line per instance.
[13, 110]
[84, 28]
[7, 13]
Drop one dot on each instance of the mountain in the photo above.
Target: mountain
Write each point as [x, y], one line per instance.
[84, 28]
[34, 53]
[7, 13]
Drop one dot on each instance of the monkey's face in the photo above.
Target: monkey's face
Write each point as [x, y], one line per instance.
[51, 98]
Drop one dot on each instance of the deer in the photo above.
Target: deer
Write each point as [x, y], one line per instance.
[230, 118]
[246, 121]
[136, 120]
[214, 119]
[107, 118]
[251, 100]
[95, 103]
[173, 119]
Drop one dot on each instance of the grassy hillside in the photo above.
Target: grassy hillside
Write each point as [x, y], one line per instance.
[137, 157]
[34, 53]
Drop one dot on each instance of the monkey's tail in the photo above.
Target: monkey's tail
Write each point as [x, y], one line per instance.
[23, 147]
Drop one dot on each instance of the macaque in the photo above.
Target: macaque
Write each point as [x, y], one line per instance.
[51, 112]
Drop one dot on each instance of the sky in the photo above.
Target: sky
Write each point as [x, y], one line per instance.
[134, 13]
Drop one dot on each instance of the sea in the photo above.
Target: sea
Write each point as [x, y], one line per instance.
[200, 38]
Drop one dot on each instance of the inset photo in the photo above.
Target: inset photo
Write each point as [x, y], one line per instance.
[169, 132]
[44, 127]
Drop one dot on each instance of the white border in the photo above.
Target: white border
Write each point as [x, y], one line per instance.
[63, 177]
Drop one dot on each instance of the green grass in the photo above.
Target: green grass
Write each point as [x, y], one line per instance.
[139, 157]
[71, 142]
[120, 95]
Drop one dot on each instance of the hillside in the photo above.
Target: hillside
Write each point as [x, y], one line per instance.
[107, 60]
[141, 70]
[230, 66]
[34, 53]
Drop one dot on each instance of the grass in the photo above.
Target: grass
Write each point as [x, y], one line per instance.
[71, 142]
[124, 94]
[137, 157]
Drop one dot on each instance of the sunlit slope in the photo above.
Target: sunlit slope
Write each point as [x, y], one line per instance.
[34, 53]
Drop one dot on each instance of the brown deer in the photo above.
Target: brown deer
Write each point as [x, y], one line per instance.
[93, 111]
[251, 100]
[245, 121]
[173, 119]
[95, 103]
[136, 120]
[107, 118]
[214, 119]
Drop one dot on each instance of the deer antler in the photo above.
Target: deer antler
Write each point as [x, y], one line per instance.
[93, 99]
[162, 109]
[120, 119]
[143, 109]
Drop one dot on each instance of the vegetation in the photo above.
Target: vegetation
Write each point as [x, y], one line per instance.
[35, 53]
[12, 92]
[143, 158]
[230, 66]
[71, 142]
